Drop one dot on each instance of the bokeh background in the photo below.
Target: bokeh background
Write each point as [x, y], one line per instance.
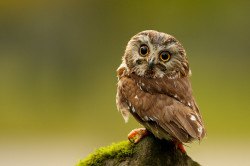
[58, 62]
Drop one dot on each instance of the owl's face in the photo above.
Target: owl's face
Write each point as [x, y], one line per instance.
[154, 54]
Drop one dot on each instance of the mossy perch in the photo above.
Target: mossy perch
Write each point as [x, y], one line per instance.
[150, 151]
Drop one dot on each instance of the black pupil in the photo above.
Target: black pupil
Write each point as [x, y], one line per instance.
[144, 50]
[164, 56]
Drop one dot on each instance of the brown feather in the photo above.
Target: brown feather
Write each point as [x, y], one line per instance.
[156, 102]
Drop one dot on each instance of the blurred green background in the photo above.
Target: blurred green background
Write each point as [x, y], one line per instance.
[58, 62]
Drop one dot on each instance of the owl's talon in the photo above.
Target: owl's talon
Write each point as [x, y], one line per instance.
[131, 140]
[179, 145]
[137, 134]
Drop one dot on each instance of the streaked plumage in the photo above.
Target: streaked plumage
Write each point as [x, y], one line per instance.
[159, 97]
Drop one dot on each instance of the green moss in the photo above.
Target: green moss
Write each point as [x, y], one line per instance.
[118, 151]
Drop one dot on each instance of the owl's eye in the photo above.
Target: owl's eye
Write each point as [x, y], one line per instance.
[143, 50]
[165, 56]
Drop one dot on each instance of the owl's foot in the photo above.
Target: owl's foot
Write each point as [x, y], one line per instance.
[179, 145]
[137, 134]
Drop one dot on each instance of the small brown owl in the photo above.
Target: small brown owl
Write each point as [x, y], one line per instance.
[154, 87]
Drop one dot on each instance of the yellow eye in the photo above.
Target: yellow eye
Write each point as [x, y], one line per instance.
[165, 56]
[143, 50]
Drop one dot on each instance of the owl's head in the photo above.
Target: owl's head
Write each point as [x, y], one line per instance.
[155, 54]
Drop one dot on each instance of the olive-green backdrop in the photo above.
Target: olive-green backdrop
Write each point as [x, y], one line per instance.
[58, 62]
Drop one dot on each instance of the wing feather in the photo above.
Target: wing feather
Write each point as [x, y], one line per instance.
[169, 104]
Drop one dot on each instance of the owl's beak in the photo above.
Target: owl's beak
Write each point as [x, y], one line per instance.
[151, 63]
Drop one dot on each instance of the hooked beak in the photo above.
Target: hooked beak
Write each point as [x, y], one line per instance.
[151, 63]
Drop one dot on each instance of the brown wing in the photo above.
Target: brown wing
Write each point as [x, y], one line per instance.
[165, 107]
[179, 88]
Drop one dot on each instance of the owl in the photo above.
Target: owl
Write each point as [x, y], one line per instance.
[154, 86]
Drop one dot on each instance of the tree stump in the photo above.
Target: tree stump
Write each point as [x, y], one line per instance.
[150, 151]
